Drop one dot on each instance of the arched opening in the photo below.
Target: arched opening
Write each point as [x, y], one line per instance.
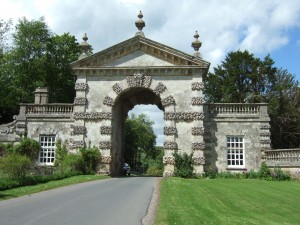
[143, 139]
[123, 104]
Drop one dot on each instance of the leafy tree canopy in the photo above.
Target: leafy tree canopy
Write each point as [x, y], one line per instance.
[37, 58]
[140, 139]
[243, 78]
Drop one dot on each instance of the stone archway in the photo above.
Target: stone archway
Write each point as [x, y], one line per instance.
[137, 89]
[124, 73]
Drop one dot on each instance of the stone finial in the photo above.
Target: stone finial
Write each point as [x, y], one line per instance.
[140, 24]
[85, 47]
[196, 44]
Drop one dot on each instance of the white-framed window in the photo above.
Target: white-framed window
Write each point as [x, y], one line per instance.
[47, 153]
[235, 152]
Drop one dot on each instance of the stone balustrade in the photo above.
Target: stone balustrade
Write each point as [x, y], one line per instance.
[237, 108]
[283, 157]
[47, 109]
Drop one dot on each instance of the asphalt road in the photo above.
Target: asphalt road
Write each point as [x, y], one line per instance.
[116, 201]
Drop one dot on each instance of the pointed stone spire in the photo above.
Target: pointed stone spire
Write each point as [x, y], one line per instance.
[140, 24]
[85, 47]
[196, 44]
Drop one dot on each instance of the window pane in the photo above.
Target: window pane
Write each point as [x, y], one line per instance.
[235, 151]
[47, 153]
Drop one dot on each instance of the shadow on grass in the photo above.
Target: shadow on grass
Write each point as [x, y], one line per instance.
[6, 196]
[133, 175]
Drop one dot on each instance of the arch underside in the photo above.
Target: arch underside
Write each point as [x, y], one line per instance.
[123, 104]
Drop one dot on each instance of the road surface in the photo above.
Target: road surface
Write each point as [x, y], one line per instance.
[116, 201]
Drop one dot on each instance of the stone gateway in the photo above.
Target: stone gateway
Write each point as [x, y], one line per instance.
[142, 71]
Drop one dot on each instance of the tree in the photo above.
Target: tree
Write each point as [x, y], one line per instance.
[240, 78]
[5, 78]
[60, 79]
[28, 55]
[139, 139]
[38, 58]
[284, 110]
[245, 78]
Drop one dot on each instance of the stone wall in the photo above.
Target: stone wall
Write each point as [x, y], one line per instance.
[287, 159]
[242, 120]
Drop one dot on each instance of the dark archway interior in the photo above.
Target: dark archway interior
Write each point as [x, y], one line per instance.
[123, 104]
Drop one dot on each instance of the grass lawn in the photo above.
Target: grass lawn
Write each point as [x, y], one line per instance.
[27, 190]
[228, 201]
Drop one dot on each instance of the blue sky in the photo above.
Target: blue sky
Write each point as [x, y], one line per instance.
[260, 26]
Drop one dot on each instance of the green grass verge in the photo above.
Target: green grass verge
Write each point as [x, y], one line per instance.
[27, 190]
[228, 201]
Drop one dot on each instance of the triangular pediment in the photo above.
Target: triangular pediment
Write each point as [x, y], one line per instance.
[139, 52]
[138, 58]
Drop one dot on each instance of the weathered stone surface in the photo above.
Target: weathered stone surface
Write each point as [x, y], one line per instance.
[198, 145]
[139, 80]
[168, 101]
[76, 144]
[184, 116]
[160, 88]
[265, 126]
[197, 86]
[197, 131]
[20, 132]
[93, 116]
[267, 141]
[169, 160]
[106, 159]
[265, 133]
[117, 88]
[105, 145]
[168, 174]
[106, 129]
[108, 101]
[170, 130]
[170, 145]
[79, 129]
[21, 125]
[198, 100]
[81, 86]
[198, 160]
[80, 101]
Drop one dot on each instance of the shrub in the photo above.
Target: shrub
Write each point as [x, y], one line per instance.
[279, 174]
[91, 159]
[8, 183]
[184, 165]
[252, 175]
[2, 150]
[28, 147]
[15, 165]
[6, 149]
[71, 163]
[264, 171]
[154, 170]
[61, 153]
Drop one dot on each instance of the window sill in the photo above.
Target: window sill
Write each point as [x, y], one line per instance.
[45, 165]
[237, 168]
